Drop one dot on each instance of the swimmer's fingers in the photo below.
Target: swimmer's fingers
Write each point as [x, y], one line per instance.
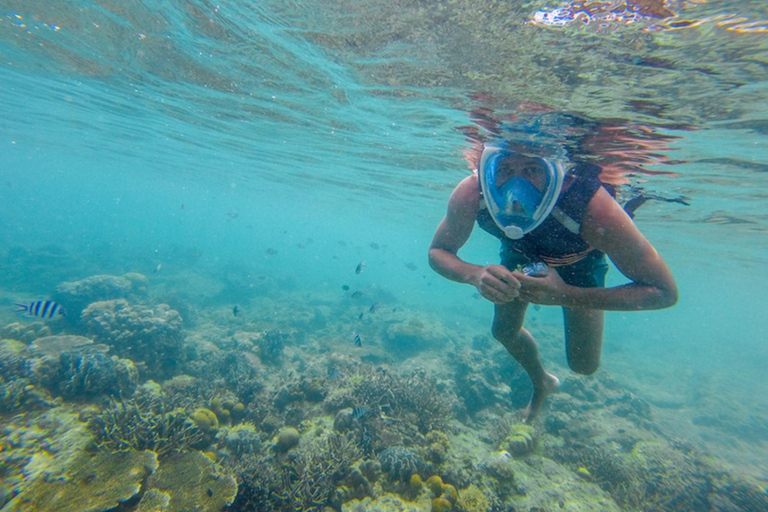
[498, 285]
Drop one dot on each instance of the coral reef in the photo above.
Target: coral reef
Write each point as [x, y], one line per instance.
[25, 332]
[152, 335]
[287, 438]
[12, 358]
[92, 484]
[414, 398]
[193, 482]
[413, 334]
[75, 296]
[400, 463]
[139, 425]
[271, 346]
[242, 439]
[86, 373]
[520, 441]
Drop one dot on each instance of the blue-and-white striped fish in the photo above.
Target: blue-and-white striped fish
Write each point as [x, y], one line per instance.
[41, 309]
[357, 340]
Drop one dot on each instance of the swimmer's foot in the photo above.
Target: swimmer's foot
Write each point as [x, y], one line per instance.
[540, 393]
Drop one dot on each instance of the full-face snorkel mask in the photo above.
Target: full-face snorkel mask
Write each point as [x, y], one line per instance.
[517, 206]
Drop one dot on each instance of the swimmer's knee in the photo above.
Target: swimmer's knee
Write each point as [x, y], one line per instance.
[505, 336]
[583, 366]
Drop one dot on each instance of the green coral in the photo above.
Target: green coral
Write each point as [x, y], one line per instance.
[521, 440]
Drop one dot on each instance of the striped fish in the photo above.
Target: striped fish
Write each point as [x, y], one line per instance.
[357, 340]
[40, 309]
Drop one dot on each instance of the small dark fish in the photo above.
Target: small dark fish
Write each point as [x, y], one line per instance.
[374, 307]
[233, 214]
[270, 251]
[411, 266]
[41, 309]
[210, 493]
[182, 206]
[359, 268]
[374, 245]
[357, 340]
[235, 310]
[358, 294]
[360, 317]
[334, 373]
[345, 287]
[359, 413]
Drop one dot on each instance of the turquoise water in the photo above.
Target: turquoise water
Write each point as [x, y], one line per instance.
[275, 145]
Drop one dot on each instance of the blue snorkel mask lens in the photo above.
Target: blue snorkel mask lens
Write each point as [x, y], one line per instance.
[516, 204]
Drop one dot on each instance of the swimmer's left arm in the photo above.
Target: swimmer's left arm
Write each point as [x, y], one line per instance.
[608, 228]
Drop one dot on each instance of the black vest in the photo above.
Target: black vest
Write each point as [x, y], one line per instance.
[552, 241]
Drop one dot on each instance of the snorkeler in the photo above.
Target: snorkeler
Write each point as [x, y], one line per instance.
[556, 222]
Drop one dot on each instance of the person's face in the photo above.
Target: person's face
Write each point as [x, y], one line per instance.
[522, 167]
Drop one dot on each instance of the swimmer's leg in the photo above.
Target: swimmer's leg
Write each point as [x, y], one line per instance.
[583, 338]
[508, 329]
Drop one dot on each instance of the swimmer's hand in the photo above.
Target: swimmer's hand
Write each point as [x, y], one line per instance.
[497, 284]
[549, 290]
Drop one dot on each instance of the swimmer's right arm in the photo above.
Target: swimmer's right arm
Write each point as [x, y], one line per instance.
[494, 282]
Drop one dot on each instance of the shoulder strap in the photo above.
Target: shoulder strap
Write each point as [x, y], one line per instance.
[567, 222]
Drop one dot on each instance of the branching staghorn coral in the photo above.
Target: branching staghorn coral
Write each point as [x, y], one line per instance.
[414, 398]
[137, 425]
[306, 480]
[311, 476]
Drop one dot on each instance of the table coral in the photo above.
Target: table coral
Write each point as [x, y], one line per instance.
[194, 482]
[91, 484]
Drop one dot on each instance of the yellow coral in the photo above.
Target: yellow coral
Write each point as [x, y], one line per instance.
[450, 493]
[416, 481]
[435, 484]
[441, 505]
[473, 499]
[205, 419]
[520, 441]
